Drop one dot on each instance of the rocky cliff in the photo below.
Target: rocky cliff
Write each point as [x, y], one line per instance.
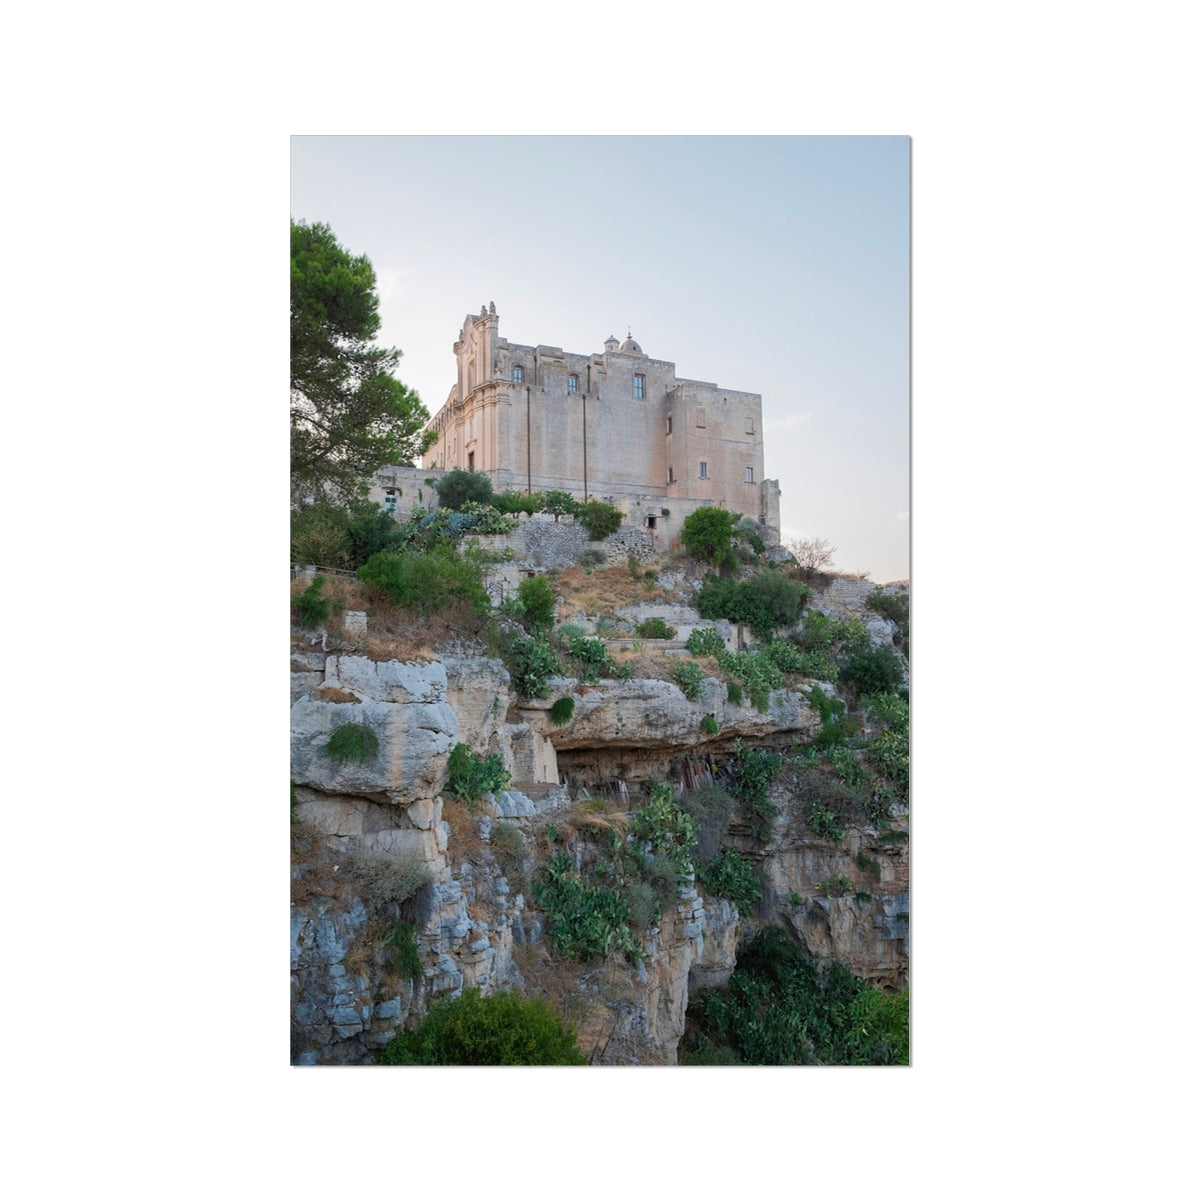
[365, 831]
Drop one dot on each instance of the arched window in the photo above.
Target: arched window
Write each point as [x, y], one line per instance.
[518, 374]
[572, 383]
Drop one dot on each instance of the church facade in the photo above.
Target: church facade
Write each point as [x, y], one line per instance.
[616, 425]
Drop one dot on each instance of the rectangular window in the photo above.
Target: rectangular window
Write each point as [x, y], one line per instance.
[639, 387]
[518, 375]
[471, 460]
[668, 426]
[389, 503]
[670, 474]
[700, 418]
[749, 424]
[572, 383]
[749, 474]
[703, 469]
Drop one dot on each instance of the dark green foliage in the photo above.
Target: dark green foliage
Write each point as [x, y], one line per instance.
[733, 693]
[868, 865]
[785, 656]
[712, 809]
[757, 671]
[828, 804]
[537, 595]
[517, 502]
[589, 654]
[782, 1008]
[584, 920]
[888, 754]
[708, 533]
[456, 488]
[765, 603]
[599, 519]
[705, 641]
[689, 678]
[734, 877]
[751, 770]
[484, 1031]
[837, 885]
[872, 670]
[349, 414]
[893, 606]
[560, 504]
[562, 710]
[427, 582]
[352, 742]
[311, 610]
[471, 776]
[666, 828]
[530, 661]
[405, 954]
[342, 535]
[655, 627]
[709, 726]
[888, 710]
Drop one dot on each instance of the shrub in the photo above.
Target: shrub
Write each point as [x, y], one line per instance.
[874, 670]
[352, 741]
[711, 808]
[888, 754]
[733, 693]
[457, 487]
[785, 656]
[592, 557]
[396, 888]
[837, 885]
[689, 677]
[584, 921]
[559, 504]
[751, 770]
[781, 1008]
[530, 661]
[590, 654]
[471, 776]
[892, 605]
[765, 603]
[756, 670]
[401, 941]
[509, 848]
[562, 710]
[483, 1031]
[709, 726]
[536, 594]
[311, 610]
[599, 519]
[734, 877]
[645, 906]
[427, 582]
[517, 502]
[655, 627]
[705, 641]
[668, 829]
[708, 533]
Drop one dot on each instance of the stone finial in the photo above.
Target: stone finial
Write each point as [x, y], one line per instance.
[492, 307]
[483, 310]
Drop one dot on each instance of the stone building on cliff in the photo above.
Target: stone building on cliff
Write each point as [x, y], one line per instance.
[617, 426]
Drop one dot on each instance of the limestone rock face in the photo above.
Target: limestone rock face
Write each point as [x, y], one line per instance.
[404, 704]
[478, 691]
[638, 713]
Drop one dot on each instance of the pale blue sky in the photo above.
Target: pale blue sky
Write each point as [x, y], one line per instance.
[776, 265]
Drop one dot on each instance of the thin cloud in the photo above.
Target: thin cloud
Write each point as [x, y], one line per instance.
[787, 424]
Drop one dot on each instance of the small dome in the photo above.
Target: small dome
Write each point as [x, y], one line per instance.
[629, 346]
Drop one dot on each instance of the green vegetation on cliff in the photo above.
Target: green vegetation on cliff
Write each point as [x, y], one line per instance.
[782, 1008]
